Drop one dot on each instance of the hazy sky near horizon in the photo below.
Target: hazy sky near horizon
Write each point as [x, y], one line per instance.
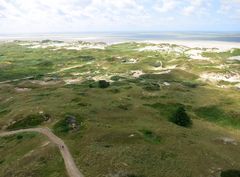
[49, 16]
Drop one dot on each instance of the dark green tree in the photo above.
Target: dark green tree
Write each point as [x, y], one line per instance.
[103, 84]
[181, 118]
[230, 173]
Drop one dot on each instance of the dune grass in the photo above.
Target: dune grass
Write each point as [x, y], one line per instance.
[124, 127]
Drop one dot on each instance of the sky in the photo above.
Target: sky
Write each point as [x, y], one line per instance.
[58, 16]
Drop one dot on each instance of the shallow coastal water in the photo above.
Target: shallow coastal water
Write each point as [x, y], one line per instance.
[114, 37]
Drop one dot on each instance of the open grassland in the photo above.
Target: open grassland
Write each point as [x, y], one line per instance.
[120, 127]
[29, 154]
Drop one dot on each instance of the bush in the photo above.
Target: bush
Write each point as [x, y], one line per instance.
[46, 41]
[181, 118]
[116, 78]
[152, 87]
[45, 63]
[62, 126]
[30, 121]
[2, 161]
[151, 136]
[103, 84]
[69, 123]
[230, 173]
[190, 84]
[86, 58]
[157, 64]
[19, 137]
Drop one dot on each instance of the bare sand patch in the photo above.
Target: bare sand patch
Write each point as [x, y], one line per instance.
[215, 77]
[105, 77]
[73, 81]
[44, 83]
[20, 90]
[137, 73]
[196, 54]
[215, 45]
[227, 140]
[234, 58]
[164, 72]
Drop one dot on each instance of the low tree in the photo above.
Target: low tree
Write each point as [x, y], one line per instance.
[103, 84]
[181, 118]
[230, 173]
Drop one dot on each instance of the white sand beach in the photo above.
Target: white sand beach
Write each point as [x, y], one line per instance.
[220, 45]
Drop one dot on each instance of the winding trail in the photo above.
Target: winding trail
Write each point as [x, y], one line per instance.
[68, 160]
[16, 80]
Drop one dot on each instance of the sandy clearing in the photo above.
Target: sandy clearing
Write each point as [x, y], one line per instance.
[164, 72]
[73, 81]
[150, 48]
[137, 73]
[196, 54]
[45, 83]
[234, 58]
[214, 77]
[20, 90]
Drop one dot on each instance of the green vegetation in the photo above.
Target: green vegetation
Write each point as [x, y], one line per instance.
[62, 126]
[230, 173]
[29, 122]
[150, 136]
[215, 114]
[165, 109]
[26, 154]
[69, 123]
[112, 108]
[103, 84]
[181, 118]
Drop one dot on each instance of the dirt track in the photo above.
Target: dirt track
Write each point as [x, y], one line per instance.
[68, 160]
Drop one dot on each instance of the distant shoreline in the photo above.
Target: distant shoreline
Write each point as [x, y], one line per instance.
[222, 45]
[119, 37]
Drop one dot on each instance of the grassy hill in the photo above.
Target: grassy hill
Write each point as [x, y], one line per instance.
[123, 128]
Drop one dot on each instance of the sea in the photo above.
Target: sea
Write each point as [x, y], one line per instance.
[115, 37]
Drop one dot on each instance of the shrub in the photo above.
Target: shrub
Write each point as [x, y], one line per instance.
[190, 84]
[115, 90]
[46, 41]
[67, 124]
[181, 118]
[62, 126]
[45, 63]
[230, 173]
[4, 111]
[157, 64]
[86, 58]
[152, 87]
[2, 161]
[151, 136]
[19, 137]
[30, 121]
[124, 106]
[103, 84]
[133, 175]
[116, 78]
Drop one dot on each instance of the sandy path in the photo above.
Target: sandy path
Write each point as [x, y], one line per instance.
[68, 68]
[68, 160]
[16, 80]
